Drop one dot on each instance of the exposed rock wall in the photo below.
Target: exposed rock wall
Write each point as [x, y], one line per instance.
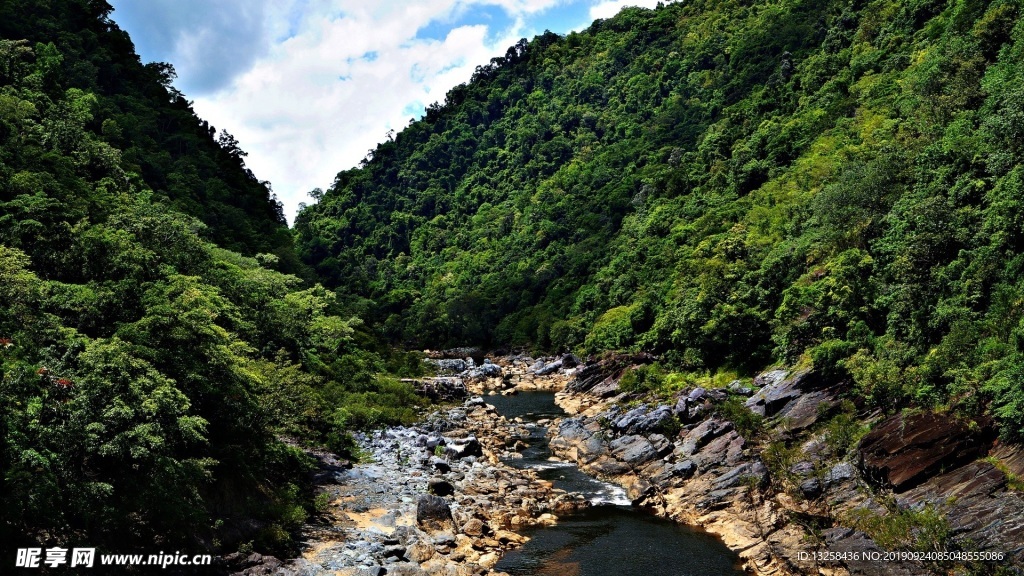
[683, 459]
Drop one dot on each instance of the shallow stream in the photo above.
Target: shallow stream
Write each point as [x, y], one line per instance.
[611, 538]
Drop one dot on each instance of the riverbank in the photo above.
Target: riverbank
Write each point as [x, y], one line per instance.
[779, 471]
[433, 499]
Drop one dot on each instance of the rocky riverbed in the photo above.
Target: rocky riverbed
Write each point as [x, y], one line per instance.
[779, 468]
[434, 499]
[798, 482]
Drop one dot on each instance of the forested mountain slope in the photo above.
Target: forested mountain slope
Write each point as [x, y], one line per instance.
[149, 378]
[132, 108]
[729, 184]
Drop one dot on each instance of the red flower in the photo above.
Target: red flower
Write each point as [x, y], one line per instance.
[64, 383]
[43, 371]
[6, 342]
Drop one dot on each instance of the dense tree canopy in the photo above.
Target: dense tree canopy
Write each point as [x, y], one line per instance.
[728, 184]
[154, 385]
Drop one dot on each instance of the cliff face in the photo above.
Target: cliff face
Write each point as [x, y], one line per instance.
[797, 493]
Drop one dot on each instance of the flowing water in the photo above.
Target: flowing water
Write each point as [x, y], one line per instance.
[611, 538]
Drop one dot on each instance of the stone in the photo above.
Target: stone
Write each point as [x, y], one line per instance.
[440, 487]
[806, 409]
[464, 448]
[549, 368]
[702, 434]
[904, 451]
[750, 472]
[420, 552]
[475, 527]
[977, 502]
[661, 445]
[433, 512]
[643, 419]
[633, 450]
[440, 465]
[679, 410]
[451, 366]
[406, 570]
[776, 390]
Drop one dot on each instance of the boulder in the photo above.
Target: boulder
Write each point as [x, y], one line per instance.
[633, 450]
[777, 388]
[601, 379]
[441, 389]
[549, 368]
[440, 487]
[433, 513]
[704, 433]
[643, 419]
[464, 448]
[475, 527]
[975, 499]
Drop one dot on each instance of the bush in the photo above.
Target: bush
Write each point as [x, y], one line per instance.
[613, 330]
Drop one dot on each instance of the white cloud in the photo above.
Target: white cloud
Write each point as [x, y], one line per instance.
[309, 86]
[183, 31]
[349, 72]
[612, 7]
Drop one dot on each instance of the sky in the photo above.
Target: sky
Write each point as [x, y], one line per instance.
[308, 87]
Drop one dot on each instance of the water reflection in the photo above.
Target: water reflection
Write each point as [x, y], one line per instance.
[609, 539]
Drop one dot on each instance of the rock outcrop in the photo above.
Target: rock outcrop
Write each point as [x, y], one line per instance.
[435, 500]
[903, 451]
[685, 459]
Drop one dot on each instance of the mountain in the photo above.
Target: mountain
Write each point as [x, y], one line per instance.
[729, 185]
[159, 370]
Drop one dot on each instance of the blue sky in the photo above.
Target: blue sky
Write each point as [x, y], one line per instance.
[309, 86]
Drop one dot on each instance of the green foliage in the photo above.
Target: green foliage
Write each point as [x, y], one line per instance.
[612, 330]
[925, 529]
[154, 386]
[725, 184]
[843, 431]
[747, 423]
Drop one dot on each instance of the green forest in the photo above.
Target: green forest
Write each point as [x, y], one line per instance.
[163, 354]
[730, 185]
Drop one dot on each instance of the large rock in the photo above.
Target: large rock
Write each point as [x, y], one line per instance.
[904, 451]
[777, 388]
[797, 397]
[701, 435]
[601, 379]
[549, 368]
[459, 449]
[483, 371]
[633, 450]
[978, 505]
[643, 419]
[443, 389]
[433, 513]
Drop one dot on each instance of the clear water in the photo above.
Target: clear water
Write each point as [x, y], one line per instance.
[609, 539]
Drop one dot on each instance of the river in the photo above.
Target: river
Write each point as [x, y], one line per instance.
[611, 538]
